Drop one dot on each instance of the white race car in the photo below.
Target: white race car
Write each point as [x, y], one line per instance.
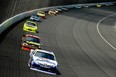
[78, 6]
[64, 8]
[59, 9]
[43, 61]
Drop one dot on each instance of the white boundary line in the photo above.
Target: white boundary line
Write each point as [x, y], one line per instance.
[101, 34]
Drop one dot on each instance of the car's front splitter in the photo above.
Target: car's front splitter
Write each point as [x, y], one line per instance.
[26, 48]
[42, 71]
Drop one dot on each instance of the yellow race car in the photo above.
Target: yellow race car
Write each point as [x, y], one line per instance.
[98, 5]
[41, 14]
[30, 26]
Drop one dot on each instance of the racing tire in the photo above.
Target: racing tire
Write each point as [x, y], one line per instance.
[37, 31]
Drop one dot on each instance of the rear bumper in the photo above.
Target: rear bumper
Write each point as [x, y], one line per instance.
[27, 48]
[51, 14]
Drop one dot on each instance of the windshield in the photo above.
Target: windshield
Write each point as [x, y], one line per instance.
[52, 10]
[44, 55]
[30, 24]
[35, 15]
[41, 12]
[32, 39]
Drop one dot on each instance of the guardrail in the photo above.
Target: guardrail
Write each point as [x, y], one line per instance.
[16, 18]
[21, 16]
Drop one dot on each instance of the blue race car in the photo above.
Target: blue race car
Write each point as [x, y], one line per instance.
[35, 17]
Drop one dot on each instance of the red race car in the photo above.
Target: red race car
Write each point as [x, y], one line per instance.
[31, 42]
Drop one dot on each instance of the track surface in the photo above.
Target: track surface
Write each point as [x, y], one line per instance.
[74, 38]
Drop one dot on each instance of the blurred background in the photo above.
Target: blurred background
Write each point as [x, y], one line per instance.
[9, 8]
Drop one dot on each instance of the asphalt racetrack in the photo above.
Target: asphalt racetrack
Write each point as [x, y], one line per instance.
[83, 41]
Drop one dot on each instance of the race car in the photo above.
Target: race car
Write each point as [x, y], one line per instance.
[31, 42]
[30, 26]
[77, 6]
[109, 4]
[43, 61]
[52, 12]
[98, 5]
[59, 9]
[35, 17]
[55, 10]
[41, 14]
[64, 8]
[86, 6]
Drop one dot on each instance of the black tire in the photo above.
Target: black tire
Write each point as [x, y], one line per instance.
[57, 72]
[37, 31]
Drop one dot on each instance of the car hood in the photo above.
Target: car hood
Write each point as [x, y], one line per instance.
[30, 26]
[45, 61]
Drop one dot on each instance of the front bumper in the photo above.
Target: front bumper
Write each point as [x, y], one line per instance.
[37, 67]
[29, 30]
[43, 17]
[28, 48]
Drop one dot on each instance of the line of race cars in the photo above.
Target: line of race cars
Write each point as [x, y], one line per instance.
[40, 60]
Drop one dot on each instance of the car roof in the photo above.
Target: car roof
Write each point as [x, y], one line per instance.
[29, 35]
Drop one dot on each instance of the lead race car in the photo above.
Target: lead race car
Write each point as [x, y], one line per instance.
[43, 61]
[31, 42]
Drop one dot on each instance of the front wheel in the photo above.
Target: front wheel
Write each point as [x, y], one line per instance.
[37, 31]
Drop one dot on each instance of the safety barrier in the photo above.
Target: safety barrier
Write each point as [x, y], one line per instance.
[6, 24]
